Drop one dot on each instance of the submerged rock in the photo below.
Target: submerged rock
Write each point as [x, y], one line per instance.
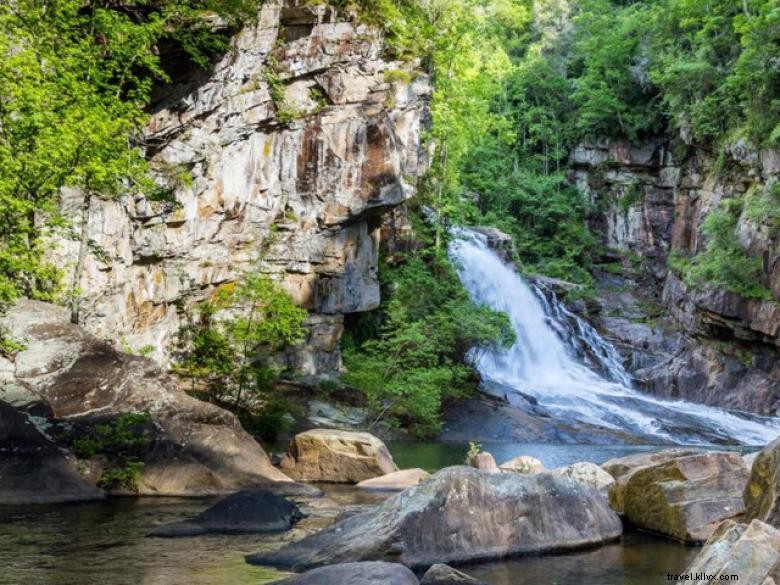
[194, 448]
[396, 481]
[245, 512]
[523, 464]
[337, 456]
[376, 573]
[683, 496]
[445, 575]
[32, 469]
[461, 515]
[747, 554]
[762, 494]
[589, 474]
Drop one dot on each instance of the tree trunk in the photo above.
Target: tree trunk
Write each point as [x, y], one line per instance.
[79, 270]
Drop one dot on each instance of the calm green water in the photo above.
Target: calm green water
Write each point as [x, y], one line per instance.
[105, 544]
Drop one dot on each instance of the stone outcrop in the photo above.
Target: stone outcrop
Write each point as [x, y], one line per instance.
[684, 496]
[589, 474]
[245, 512]
[762, 494]
[66, 379]
[285, 158]
[371, 573]
[445, 575]
[522, 464]
[336, 456]
[462, 515]
[622, 468]
[396, 481]
[32, 468]
[709, 345]
[740, 553]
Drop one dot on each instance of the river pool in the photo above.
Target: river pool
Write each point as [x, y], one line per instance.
[104, 543]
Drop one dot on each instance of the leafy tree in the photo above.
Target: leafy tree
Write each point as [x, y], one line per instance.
[75, 80]
[227, 346]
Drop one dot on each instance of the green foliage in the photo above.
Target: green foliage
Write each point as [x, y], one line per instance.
[226, 347]
[75, 80]
[119, 444]
[428, 337]
[474, 450]
[723, 262]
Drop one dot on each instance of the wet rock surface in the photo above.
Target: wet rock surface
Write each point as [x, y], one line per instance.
[461, 515]
[192, 448]
[330, 455]
[245, 512]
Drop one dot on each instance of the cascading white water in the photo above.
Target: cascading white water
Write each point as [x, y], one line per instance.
[540, 364]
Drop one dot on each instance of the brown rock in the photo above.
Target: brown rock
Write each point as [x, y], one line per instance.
[762, 494]
[623, 468]
[483, 461]
[195, 448]
[684, 497]
[748, 554]
[332, 455]
[440, 574]
[589, 474]
[523, 464]
[396, 481]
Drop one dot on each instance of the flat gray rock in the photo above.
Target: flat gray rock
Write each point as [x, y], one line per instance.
[376, 573]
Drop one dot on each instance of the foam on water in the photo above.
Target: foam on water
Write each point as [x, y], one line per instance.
[545, 364]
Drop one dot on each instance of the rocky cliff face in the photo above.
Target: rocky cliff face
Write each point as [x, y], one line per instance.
[707, 345]
[286, 157]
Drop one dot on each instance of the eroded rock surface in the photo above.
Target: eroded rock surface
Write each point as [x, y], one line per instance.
[297, 184]
[682, 496]
[589, 474]
[461, 515]
[762, 494]
[748, 554]
[337, 456]
[195, 448]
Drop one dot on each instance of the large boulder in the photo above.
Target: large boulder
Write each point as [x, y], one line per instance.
[523, 464]
[245, 512]
[376, 573]
[440, 574]
[685, 497]
[623, 468]
[762, 494]
[461, 515]
[589, 474]
[32, 468]
[396, 481]
[330, 455]
[194, 448]
[740, 553]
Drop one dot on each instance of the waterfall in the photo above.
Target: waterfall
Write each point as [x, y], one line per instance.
[548, 362]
